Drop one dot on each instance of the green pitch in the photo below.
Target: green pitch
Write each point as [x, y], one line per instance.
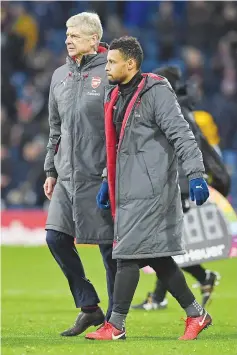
[37, 306]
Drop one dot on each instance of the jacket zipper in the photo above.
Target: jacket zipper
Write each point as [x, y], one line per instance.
[78, 91]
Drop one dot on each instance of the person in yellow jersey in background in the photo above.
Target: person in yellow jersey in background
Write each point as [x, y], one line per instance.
[25, 26]
[218, 176]
[209, 128]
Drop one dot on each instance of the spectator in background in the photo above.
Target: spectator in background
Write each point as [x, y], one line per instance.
[223, 105]
[31, 104]
[229, 16]
[5, 127]
[224, 109]
[114, 27]
[194, 63]
[199, 21]
[12, 44]
[232, 43]
[166, 26]
[33, 155]
[8, 97]
[26, 187]
[25, 26]
[221, 59]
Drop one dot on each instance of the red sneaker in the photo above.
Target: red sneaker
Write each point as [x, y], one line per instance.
[194, 326]
[107, 332]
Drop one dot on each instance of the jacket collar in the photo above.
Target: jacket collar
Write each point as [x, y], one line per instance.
[90, 60]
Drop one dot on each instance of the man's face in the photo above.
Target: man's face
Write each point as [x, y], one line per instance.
[78, 43]
[117, 68]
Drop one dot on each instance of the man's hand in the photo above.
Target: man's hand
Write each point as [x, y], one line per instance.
[102, 198]
[198, 190]
[49, 184]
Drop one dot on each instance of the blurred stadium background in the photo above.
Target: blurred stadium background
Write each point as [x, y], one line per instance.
[201, 38]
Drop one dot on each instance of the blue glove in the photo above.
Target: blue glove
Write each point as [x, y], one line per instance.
[198, 190]
[102, 198]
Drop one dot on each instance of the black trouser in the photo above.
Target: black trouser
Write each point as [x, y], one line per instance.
[197, 271]
[65, 253]
[167, 270]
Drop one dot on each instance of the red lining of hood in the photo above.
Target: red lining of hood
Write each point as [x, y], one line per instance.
[102, 49]
[153, 76]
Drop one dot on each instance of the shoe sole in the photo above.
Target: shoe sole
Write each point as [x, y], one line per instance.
[122, 338]
[206, 326]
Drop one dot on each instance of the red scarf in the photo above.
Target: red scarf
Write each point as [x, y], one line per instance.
[111, 139]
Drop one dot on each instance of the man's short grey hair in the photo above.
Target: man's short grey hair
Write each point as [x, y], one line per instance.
[88, 22]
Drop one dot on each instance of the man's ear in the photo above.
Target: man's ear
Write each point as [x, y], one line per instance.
[94, 40]
[131, 64]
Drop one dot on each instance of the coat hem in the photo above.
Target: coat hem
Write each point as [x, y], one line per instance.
[93, 242]
[58, 229]
[147, 256]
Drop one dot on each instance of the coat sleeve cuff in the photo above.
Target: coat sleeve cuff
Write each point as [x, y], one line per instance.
[195, 176]
[51, 173]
